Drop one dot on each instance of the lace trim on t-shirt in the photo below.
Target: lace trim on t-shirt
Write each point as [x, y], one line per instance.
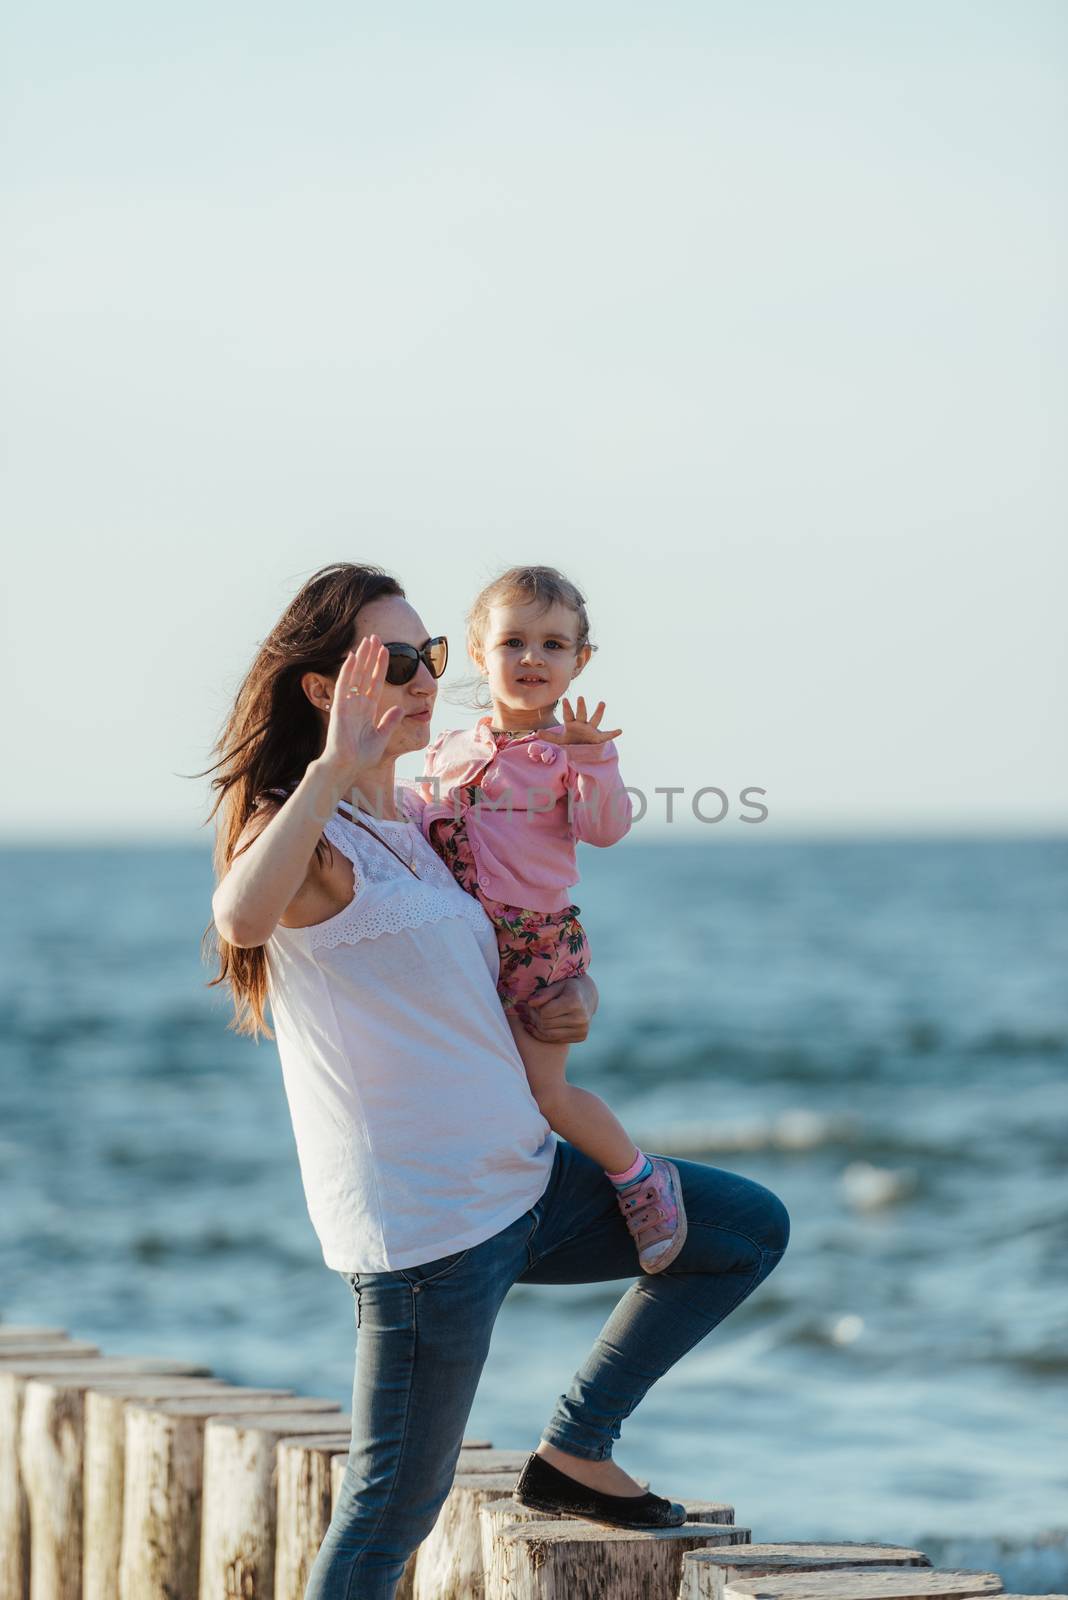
[430, 898]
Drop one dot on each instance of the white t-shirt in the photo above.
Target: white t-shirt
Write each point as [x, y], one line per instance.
[416, 1131]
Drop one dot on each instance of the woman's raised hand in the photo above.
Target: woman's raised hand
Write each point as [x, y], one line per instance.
[356, 736]
[576, 728]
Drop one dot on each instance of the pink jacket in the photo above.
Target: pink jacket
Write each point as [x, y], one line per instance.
[537, 798]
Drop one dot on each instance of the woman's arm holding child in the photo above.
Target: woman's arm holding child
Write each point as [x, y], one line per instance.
[562, 1013]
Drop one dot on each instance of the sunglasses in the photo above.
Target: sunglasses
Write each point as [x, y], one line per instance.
[404, 659]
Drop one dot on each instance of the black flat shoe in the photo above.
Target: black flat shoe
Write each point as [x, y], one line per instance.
[542, 1487]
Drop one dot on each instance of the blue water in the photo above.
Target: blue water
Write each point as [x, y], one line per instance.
[876, 1030]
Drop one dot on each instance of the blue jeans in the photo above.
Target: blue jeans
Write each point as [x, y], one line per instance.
[424, 1333]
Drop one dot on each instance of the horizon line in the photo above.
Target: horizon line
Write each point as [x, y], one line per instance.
[664, 833]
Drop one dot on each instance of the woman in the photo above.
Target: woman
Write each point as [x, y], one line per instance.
[432, 1179]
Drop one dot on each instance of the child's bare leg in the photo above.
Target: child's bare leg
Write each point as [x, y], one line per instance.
[575, 1114]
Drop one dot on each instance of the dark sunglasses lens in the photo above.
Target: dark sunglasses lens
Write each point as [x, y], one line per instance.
[403, 662]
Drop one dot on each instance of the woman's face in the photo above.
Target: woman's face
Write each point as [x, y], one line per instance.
[396, 622]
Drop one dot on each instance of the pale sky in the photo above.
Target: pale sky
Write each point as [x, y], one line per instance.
[749, 317]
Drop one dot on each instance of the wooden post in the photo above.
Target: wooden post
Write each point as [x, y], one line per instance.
[706, 1572]
[14, 1508]
[46, 1350]
[449, 1565]
[483, 1462]
[240, 1499]
[337, 1472]
[450, 1558]
[105, 1469]
[14, 1333]
[497, 1514]
[554, 1560]
[488, 1460]
[14, 1511]
[868, 1583]
[493, 1515]
[50, 1461]
[161, 1523]
[303, 1507]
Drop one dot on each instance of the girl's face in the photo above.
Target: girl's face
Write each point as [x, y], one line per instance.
[531, 654]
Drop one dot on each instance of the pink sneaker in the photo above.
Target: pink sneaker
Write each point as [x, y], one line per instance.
[654, 1213]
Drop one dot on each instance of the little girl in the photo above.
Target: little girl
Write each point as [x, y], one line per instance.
[504, 804]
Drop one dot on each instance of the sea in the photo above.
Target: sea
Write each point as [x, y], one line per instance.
[876, 1029]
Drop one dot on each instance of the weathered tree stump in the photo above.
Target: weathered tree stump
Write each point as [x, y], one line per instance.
[14, 1507]
[15, 1333]
[47, 1350]
[868, 1583]
[51, 1465]
[572, 1560]
[105, 1469]
[449, 1564]
[47, 1355]
[304, 1507]
[161, 1522]
[493, 1515]
[497, 1514]
[488, 1460]
[240, 1499]
[450, 1558]
[706, 1572]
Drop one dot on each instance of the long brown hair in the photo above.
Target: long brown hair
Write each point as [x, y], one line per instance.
[269, 738]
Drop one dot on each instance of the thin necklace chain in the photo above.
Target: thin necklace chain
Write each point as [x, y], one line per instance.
[409, 836]
[409, 841]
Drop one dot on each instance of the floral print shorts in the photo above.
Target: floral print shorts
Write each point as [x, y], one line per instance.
[536, 948]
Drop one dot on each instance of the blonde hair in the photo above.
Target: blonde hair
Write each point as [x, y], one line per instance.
[543, 586]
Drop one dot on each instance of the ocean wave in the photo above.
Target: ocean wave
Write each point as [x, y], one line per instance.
[800, 1130]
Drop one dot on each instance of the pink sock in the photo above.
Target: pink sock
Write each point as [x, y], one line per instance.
[636, 1166]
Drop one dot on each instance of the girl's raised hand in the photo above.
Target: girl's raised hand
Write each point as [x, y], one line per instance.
[356, 736]
[577, 729]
